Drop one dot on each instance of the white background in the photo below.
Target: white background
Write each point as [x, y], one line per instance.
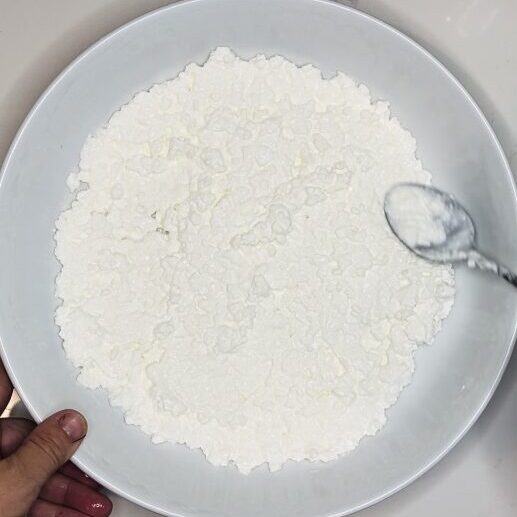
[476, 39]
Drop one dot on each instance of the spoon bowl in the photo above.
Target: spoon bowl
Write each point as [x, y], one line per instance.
[430, 222]
[435, 226]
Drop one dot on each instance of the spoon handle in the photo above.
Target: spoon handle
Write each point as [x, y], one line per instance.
[480, 261]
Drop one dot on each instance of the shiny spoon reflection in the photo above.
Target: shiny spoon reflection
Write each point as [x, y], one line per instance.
[435, 226]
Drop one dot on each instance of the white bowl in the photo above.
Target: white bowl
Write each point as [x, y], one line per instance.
[455, 377]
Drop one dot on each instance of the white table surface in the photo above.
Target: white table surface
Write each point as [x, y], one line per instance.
[476, 39]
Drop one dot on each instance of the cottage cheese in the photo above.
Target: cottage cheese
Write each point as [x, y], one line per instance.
[419, 217]
[227, 272]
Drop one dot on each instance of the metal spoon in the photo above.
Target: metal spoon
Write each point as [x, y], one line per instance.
[436, 227]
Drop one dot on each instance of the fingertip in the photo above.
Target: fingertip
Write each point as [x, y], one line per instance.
[102, 507]
[72, 423]
[106, 508]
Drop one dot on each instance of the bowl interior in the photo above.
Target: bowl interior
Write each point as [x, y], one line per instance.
[454, 377]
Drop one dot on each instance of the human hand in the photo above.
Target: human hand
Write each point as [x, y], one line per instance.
[36, 478]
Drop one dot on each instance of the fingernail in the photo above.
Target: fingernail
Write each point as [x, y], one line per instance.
[73, 424]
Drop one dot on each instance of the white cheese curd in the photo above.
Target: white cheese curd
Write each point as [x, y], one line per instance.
[228, 275]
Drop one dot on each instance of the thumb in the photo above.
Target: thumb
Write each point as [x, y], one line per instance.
[49, 446]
